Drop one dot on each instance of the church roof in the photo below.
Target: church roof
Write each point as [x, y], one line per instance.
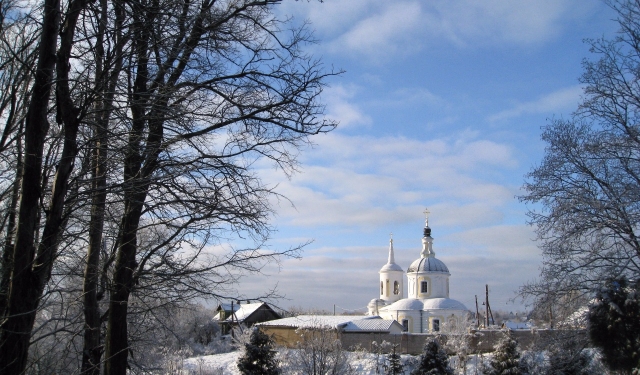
[430, 264]
[426, 304]
[443, 304]
[391, 263]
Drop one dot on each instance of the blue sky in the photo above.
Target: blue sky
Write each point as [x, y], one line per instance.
[441, 106]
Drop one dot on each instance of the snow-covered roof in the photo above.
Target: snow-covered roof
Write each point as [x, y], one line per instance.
[406, 304]
[371, 325]
[426, 304]
[517, 325]
[316, 321]
[241, 312]
[443, 304]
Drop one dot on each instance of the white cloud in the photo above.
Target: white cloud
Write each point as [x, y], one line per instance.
[340, 106]
[385, 34]
[565, 99]
[382, 30]
[365, 181]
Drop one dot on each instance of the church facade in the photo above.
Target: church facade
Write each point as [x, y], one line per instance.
[427, 307]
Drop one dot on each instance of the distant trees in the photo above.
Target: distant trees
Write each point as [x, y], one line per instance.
[614, 324]
[128, 150]
[587, 189]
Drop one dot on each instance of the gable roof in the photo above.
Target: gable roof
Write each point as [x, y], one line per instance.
[372, 325]
[241, 312]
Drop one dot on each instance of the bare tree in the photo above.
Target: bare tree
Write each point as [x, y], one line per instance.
[587, 187]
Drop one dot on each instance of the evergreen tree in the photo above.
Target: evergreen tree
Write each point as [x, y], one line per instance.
[614, 324]
[434, 361]
[394, 367]
[506, 359]
[259, 356]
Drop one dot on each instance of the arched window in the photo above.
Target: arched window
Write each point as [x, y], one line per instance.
[435, 325]
[396, 287]
[381, 288]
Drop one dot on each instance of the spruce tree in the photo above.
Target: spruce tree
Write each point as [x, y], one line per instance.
[614, 324]
[259, 356]
[506, 359]
[433, 361]
[394, 367]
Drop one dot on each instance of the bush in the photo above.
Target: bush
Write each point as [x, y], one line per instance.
[433, 361]
[506, 359]
[614, 324]
[259, 356]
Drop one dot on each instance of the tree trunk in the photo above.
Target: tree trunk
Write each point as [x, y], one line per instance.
[16, 327]
[92, 349]
[30, 275]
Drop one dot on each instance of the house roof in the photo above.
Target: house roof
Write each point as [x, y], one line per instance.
[344, 322]
[371, 325]
[241, 312]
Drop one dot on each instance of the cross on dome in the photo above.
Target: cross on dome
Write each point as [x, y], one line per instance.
[426, 214]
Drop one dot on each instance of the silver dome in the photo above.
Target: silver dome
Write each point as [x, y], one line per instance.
[428, 264]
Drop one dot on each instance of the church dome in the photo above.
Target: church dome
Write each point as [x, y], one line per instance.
[407, 304]
[429, 264]
[443, 304]
[391, 267]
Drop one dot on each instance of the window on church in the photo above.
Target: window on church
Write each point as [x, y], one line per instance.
[381, 288]
[387, 289]
[396, 287]
[405, 325]
[435, 324]
[424, 287]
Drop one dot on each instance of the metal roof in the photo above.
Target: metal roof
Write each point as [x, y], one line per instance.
[371, 325]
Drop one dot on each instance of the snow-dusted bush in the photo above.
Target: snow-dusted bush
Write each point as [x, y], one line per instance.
[433, 361]
[259, 357]
[506, 359]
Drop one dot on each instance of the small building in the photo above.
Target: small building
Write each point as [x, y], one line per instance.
[233, 314]
[287, 331]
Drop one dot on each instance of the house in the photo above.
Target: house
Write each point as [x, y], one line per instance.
[233, 314]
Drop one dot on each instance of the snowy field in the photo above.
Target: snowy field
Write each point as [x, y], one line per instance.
[362, 363]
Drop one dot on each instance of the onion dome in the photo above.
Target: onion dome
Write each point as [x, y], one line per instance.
[428, 265]
[427, 261]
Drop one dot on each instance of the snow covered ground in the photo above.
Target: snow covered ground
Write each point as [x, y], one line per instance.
[362, 363]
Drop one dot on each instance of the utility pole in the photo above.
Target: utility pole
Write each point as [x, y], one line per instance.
[477, 314]
[488, 308]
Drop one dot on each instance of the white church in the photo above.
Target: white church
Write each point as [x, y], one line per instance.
[427, 308]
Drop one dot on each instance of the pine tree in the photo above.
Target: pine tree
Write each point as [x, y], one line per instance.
[434, 361]
[506, 359]
[394, 367]
[614, 324]
[259, 356]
